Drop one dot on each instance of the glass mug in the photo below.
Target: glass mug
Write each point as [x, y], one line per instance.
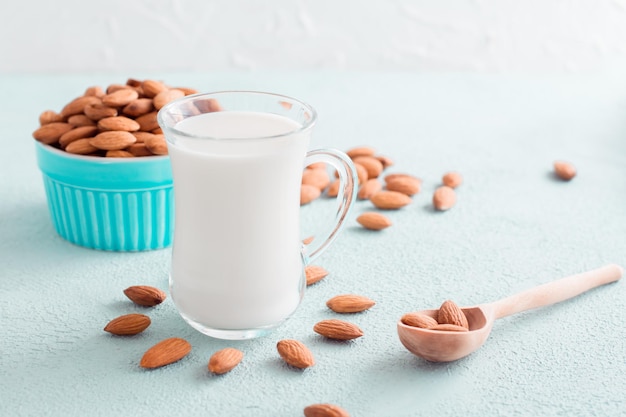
[237, 159]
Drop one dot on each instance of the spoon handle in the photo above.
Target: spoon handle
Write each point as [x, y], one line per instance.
[556, 291]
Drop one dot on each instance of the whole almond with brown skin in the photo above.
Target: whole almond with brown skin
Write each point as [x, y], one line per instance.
[390, 200]
[81, 147]
[156, 144]
[314, 273]
[225, 360]
[385, 160]
[450, 313]
[360, 151]
[372, 165]
[112, 88]
[564, 170]
[165, 352]
[51, 132]
[316, 177]
[113, 140]
[49, 116]
[78, 120]
[119, 154]
[142, 136]
[166, 96]
[395, 175]
[444, 198]
[337, 329]
[308, 193]
[295, 353]
[405, 185]
[188, 91]
[145, 295]
[122, 123]
[452, 179]
[99, 111]
[373, 221]
[96, 91]
[127, 325]
[80, 132]
[120, 97]
[325, 410]
[148, 122]
[419, 320]
[369, 188]
[78, 105]
[449, 328]
[139, 149]
[138, 107]
[350, 303]
[152, 87]
[208, 105]
[361, 173]
[333, 189]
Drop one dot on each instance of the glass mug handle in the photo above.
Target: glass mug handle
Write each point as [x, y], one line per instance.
[346, 196]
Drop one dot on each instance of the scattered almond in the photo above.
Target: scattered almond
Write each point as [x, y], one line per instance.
[564, 170]
[350, 303]
[316, 177]
[405, 185]
[337, 329]
[145, 295]
[452, 179]
[165, 352]
[314, 274]
[369, 188]
[325, 410]
[450, 313]
[390, 200]
[444, 198]
[129, 324]
[372, 165]
[333, 189]
[385, 160]
[308, 193]
[225, 360]
[419, 320]
[360, 151]
[373, 221]
[295, 353]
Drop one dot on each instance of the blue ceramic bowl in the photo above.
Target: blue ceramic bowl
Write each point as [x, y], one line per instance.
[114, 204]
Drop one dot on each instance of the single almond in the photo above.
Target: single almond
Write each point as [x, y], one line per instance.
[133, 82]
[120, 97]
[128, 324]
[95, 91]
[316, 177]
[99, 111]
[79, 120]
[78, 105]
[81, 147]
[138, 107]
[337, 329]
[333, 189]
[145, 295]
[165, 352]
[373, 221]
[112, 140]
[122, 123]
[308, 240]
[314, 273]
[139, 149]
[450, 313]
[452, 179]
[225, 360]
[49, 116]
[444, 198]
[156, 144]
[295, 353]
[419, 320]
[151, 87]
[51, 132]
[325, 410]
[80, 132]
[449, 328]
[350, 303]
[369, 188]
[308, 193]
[372, 165]
[390, 200]
[395, 175]
[142, 136]
[385, 160]
[119, 154]
[361, 173]
[167, 96]
[564, 170]
[148, 122]
[361, 151]
[405, 185]
[112, 88]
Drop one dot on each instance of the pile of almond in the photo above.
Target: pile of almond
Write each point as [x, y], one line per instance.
[119, 121]
[449, 318]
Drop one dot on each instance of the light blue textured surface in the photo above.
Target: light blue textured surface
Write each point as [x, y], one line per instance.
[514, 227]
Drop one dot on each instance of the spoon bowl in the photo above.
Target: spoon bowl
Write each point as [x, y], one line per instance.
[446, 346]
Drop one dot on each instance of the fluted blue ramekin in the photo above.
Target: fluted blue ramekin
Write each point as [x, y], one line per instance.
[114, 204]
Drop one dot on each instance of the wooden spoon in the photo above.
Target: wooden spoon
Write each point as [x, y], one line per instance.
[446, 346]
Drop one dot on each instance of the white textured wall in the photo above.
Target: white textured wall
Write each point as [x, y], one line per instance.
[162, 35]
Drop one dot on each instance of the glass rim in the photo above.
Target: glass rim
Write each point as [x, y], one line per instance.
[165, 126]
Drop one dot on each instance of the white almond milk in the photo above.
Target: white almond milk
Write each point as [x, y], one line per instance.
[236, 260]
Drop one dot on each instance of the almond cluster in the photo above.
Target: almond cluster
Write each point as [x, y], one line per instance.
[450, 317]
[119, 121]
